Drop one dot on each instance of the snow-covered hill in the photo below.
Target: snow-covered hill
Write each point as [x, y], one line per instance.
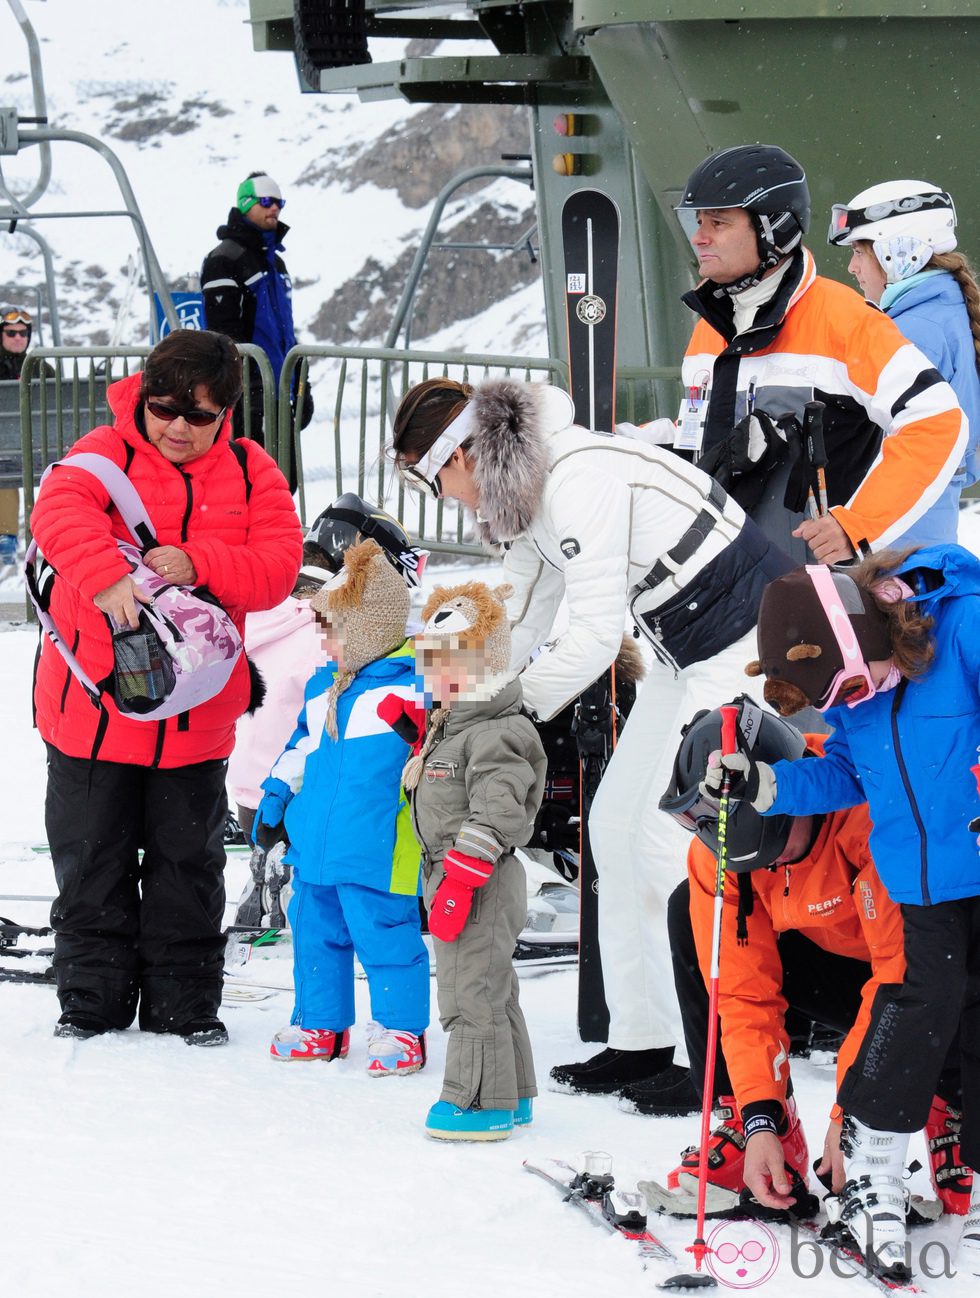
[176, 90]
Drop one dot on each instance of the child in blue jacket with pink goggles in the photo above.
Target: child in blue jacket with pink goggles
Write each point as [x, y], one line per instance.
[890, 652]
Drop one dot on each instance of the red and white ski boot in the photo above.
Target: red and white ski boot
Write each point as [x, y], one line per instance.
[951, 1180]
[394, 1053]
[726, 1153]
[296, 1043]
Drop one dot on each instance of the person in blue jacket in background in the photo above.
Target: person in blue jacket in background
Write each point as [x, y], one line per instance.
[890, 651]
[336, 794]
[902, 236]
[248, 295]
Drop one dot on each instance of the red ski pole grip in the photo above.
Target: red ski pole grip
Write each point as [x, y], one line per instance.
[729, 716]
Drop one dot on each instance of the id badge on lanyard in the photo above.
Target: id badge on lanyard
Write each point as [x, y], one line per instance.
[691, 418]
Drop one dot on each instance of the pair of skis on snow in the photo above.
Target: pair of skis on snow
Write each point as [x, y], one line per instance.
[593, 1191]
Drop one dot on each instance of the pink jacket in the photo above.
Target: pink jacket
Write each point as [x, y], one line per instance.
[286, 646]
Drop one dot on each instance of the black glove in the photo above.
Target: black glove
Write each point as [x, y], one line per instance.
[306, 408]
[742, 462]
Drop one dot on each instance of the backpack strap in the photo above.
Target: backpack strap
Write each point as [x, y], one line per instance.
[37, 571]
[241, 455]
[40, 602]
[124, 495]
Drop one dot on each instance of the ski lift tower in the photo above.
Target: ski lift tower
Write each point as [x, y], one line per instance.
[628, 96]
[18, 133]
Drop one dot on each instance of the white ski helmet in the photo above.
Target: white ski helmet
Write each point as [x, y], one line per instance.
[905, 221]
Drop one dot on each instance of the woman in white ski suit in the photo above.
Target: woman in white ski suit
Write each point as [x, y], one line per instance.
[620, 530]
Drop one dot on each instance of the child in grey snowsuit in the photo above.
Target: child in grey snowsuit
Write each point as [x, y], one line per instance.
[476, 786]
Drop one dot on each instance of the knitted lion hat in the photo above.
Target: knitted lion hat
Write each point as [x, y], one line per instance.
[465, 627]
[367, 602]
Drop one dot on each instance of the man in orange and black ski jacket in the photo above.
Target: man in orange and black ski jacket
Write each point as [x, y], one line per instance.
[773, 336]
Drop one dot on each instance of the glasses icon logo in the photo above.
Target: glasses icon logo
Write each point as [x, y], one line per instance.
[743, 1254]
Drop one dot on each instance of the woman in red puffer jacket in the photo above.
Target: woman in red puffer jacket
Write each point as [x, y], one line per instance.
[134, 928]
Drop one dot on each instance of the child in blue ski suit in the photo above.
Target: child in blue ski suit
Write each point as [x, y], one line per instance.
[890, 650]
[336, 792]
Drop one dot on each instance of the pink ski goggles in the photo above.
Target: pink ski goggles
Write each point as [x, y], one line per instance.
[855, 672]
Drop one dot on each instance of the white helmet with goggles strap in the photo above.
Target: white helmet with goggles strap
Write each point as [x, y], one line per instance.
[905, 221]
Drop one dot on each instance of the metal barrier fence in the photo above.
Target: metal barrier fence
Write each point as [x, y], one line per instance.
[645, 394]
[360, 391]
[62, 394]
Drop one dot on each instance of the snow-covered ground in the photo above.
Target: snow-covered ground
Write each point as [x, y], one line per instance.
[131, 1164]
[134, 1165]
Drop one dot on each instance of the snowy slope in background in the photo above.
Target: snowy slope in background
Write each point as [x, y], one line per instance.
[178, 93]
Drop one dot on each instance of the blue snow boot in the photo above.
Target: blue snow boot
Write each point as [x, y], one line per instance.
[447, 1122]
[524, 1113]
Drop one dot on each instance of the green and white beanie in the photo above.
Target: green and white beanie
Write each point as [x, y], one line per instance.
[256, 187]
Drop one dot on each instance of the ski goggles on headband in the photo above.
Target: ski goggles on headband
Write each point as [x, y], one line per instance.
[15, 317]
[844, 220]
[423, 475]
[853, 682]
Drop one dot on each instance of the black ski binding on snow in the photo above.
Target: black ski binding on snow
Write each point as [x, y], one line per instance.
[10, 932]
[620, 1212]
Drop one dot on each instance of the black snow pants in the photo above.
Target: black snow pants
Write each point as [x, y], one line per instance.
[924, 1035]
[129, 930]
[817, 983]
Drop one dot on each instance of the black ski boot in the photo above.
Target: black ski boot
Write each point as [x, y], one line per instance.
[611, 1070]
[670, 1094]
[250, 909]
[75, 1026]
[205, 1032]
[234, 835]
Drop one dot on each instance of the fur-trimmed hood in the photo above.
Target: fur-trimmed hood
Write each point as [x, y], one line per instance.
[509, 454]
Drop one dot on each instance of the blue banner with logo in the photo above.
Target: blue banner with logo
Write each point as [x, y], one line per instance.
[189, 308]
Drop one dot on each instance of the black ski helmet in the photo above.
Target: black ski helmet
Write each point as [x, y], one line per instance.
[754, 841]
[351, 518]
[764, 181]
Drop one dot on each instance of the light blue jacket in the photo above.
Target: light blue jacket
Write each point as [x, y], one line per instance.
[930, 311]
[346, 813]
[912, 752]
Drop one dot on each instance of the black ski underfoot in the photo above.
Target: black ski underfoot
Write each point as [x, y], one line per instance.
[836, 1239]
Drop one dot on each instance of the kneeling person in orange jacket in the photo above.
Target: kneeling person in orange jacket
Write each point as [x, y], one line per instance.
[806, 922]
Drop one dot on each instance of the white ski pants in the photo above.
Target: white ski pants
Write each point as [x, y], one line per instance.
[641, 852]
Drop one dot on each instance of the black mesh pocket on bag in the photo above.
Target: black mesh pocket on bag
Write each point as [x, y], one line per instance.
[143, 675]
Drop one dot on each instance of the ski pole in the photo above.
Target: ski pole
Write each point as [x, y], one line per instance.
[816, 452]
[729, 716]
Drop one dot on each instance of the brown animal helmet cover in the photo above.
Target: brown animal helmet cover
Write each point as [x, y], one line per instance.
[818, 631]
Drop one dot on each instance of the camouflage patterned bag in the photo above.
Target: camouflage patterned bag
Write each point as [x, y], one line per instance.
[186, 646]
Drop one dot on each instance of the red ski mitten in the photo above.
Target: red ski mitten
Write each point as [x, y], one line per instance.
[451, 905]
[406, 718]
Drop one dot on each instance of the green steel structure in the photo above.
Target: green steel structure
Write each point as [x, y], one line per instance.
[859, 91]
